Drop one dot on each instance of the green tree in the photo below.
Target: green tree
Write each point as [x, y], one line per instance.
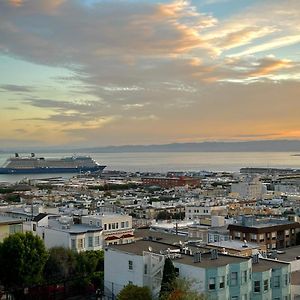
[131, 291]
[169, 276]
[22, 260]
[182, 290]
[60, 264]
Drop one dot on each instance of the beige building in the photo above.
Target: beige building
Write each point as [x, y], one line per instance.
[117, 228]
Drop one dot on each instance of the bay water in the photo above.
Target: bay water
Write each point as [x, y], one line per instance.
[173, 161]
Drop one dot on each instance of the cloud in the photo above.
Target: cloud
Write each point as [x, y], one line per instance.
[268, 66]
[16, 88]
[273, 44]
[152, 64]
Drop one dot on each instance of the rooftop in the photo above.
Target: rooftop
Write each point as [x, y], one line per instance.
[289, 254]
[139, 247]
[265, 264]
[235, 245]
[4, 220]
[72, 228]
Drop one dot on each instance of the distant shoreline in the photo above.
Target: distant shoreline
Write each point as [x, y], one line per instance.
[247, 146]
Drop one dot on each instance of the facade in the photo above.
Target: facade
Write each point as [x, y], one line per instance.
[219, 276]
[274, 233]
[170, 182]
[193, 212]
[249, 190]
[218, 234]
[9, 226]
[117, 228]
[61, 232]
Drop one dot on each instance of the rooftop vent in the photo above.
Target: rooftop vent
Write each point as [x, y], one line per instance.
[197, 257]
[214, 253]
[245, 244]
[255, 258]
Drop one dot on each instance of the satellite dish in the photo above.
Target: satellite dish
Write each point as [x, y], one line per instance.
[150, 248]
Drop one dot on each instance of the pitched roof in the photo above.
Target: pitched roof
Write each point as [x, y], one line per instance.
[39, 217]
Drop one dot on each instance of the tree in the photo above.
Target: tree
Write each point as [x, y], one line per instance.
[60, 264]
[22, 260]
[131, 291]
[169, 276]
[182, 290]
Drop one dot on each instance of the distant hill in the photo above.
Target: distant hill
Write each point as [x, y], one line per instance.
[249, 146]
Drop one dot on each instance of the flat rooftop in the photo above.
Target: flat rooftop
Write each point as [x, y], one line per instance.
[167, 238]
[206, 262]
[9, 220]
[72, 228]
[235, 245]
[289, 254]
[265, 264]
[139, 247]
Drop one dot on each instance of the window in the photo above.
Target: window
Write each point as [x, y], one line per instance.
[222, 282]
[253, 237]
[109, 226]
[245, 276]
[122, 224]
[234, 278]
[127, 224]
[266, 284]
[34, 227]
[105, 226]
[113, 226]
[73, 244]
[235, 298]
[256, 286]
[212, 283]
[130, 265]
[117, 225]
[91, 222]
[145, 268]
[97, 240]
[261, 237]
[90, 241]
[276, 281]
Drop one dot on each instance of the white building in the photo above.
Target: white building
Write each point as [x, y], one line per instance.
[117, 228]
[61, 232]
[219, 276]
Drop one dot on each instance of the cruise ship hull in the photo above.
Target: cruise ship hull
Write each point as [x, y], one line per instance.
[50, 170]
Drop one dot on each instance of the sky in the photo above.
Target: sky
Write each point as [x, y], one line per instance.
[118, 72]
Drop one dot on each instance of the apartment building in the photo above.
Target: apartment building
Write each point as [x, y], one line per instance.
[9, 226]
[274, 233]
[219, 276]
[117, 228]
[193, 212]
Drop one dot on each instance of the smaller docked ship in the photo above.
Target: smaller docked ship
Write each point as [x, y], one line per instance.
[41, 165]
